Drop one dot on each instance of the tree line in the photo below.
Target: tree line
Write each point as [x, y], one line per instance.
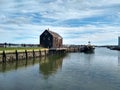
[18, 45]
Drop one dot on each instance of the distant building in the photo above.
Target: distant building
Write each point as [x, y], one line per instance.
[1, 44]
[119, 41]
[50, 39]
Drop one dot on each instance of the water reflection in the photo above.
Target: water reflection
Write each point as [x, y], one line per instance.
[50, 65]
[76, 73]
[90, 52]
[47, 65]
[89, 58]
[8, 66]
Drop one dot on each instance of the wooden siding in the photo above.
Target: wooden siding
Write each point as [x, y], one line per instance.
[49, 39]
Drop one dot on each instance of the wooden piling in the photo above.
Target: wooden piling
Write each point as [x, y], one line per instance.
[26, 54]
[4, 56]
[39, 53]
[33, 53]
[16, 53]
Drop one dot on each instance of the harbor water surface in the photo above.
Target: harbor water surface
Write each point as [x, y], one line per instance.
[74, 71]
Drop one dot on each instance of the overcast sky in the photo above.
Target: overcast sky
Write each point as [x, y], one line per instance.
[77, 21]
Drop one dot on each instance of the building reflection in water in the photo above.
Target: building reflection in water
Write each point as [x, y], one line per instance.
[47, 65]
[8, 66]
[50, 65]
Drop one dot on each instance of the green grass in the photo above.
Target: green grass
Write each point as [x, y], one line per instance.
[20, 49]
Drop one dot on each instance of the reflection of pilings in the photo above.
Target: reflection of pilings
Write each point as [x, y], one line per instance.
[26, 62]
[18, 64]
[33, 61]
[3, 67]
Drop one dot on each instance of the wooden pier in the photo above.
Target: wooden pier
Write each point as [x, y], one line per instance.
[26, 54]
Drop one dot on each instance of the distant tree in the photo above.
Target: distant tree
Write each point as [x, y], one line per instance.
[9, 44]
[24, 45]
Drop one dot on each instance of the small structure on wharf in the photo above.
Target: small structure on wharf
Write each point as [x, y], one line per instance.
[50, 39]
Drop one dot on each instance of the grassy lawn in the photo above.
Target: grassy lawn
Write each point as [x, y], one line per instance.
[20, 49]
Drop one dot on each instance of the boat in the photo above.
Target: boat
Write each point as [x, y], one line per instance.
[87, 48]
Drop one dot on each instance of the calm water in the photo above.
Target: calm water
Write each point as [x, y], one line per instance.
[75, 71]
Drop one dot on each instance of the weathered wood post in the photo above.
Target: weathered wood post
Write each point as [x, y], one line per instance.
[33, 53]
[39, 53]
[16, 53]
[4, 56]
[26, 54]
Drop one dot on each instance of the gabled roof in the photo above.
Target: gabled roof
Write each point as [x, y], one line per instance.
[54, 34]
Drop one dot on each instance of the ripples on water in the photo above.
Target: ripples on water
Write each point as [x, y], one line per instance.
[75, 71]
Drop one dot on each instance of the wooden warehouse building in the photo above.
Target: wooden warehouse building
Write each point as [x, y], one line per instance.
[50, 39]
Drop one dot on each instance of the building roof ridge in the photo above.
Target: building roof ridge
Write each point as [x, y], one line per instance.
[54, 33]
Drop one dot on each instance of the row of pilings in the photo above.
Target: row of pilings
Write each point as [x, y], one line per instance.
[26, 54]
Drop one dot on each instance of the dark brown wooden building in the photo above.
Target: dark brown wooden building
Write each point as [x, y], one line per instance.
[50, 39]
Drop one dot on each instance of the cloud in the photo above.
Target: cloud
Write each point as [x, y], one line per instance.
[71, 35]
[57, 9]
[24, 11]
[77, 21]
